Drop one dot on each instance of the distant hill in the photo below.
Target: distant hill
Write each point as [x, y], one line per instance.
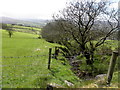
[26, 22]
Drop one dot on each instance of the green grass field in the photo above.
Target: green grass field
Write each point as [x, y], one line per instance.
[30, 72]
[26, 29]
[23, 27]
[19, 71]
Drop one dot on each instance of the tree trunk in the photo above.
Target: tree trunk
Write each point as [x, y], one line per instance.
[88, 59]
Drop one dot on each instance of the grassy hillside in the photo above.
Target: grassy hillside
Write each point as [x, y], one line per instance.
[30, 72]
[26, 29]
[22, 68]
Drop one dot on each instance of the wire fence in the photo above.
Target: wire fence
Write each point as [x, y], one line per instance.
[44, 55]
[26, 66]
[20, 62]
[33, 57]
[22, 56]
[18, 69]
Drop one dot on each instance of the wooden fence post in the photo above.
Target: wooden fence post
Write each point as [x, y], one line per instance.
[49, 59]
[111, 67]
[56, 52]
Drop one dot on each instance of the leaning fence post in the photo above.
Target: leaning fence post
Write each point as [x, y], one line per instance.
[49, 59]
[111, 66]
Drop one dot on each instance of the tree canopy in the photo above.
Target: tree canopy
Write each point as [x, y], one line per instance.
[82, 27]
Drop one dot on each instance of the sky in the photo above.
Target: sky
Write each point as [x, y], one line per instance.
[35, 9]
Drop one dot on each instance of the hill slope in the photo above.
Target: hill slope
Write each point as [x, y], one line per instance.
[28, 66]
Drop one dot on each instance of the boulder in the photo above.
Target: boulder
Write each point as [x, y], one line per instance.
[101, 76]
[53, 85]
[68, 83]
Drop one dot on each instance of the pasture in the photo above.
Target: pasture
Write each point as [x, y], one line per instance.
[23, 69]
[26, 29]
[25, 61]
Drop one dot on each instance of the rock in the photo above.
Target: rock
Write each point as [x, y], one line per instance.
[49, 87]
[100, 76]
[37, 49]
[39, 37]
[68, 83]
[54, 85]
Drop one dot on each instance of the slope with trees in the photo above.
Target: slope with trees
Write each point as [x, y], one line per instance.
[82, 27]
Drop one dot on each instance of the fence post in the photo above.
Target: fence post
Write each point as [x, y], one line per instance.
[49, 59]
[56, 52]
[111, 66]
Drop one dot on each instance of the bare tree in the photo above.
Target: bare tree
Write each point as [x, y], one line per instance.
[54, 32]
[90, 24]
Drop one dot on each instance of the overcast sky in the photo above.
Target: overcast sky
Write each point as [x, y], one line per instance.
[39, 9]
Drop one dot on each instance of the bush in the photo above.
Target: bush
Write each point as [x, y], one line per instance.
[100, 68]
[101, 64]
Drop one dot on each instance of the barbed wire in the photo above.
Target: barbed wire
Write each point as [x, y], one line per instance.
[82, 55]
[28, 75]
[27, 65]
[22, 56]
[18, 65]
[46, 64]
[51, 55]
